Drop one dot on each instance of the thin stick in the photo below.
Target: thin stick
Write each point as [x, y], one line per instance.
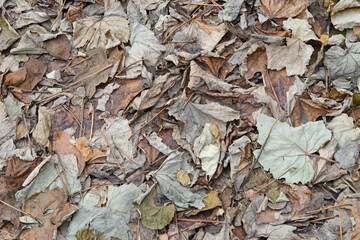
[91, 75]
[257, 158]
[177, 227]
[66, 190]
[201, 4]
[147, 122]
[29, 91]
[27, 129]
[320, 219]
[321, 157]
[87, 58]
[347, 183]
[81, 118]
[326, 81]
[92, 121]
[321, 209]
[175, 29]
[341, 233]
[54, 179]
[16, 209]
[65, 177]
[187, 101]
[60, 11]
[200, 220]
[112, 152]
[128, 157]
[227, 223]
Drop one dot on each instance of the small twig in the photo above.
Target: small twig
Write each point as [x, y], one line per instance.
[175, 29]
[65, 177]
[147, 122]
[117, 161]
[92, 121]
[85, 59]
[347, 183]
[128, 157]
[16, 209]
[326, 81]
[81, 117]
[54, 179]
[91, 75]
[228, 225]
[177, 227]
[27, 129]
[186, 41]
[200, 220]
[321, 157]
[320, 219]
[321, 209]
[341, 233]
[257, 158]
[75, 118]
[60, 11]
[59, 174]
[187, 101]
[201, 4]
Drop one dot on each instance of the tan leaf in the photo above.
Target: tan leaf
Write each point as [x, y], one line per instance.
[276, 9]
[183, 177]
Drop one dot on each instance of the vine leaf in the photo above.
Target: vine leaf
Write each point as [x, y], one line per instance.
[288, 150]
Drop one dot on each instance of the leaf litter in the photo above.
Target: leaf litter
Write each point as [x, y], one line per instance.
[179, 119]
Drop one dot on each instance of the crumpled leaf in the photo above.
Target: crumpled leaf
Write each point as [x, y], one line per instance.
[207, 149]
[144, 44]
[345, 14]
[224, 234]
[7, 34]
[57, 45]
[31, 17]
[275, 196]
[300, 28]
[294, 57]
[101, 32]
[156, 211]
[150, 97]
[231, 10]
[347, 156]
[344, 130]
[51, 208]
[234, 157]
[343, 62]
[291, 162]
[43, 129]
[165, 176]
[195, 115]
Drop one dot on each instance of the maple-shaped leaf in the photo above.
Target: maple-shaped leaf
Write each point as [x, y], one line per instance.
[287, 151]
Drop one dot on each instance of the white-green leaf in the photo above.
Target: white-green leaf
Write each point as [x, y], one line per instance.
[344, 130]
[286, 151]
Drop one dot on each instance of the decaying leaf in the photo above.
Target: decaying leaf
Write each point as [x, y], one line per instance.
[51, 208]
[300, 28]
[42, 130]
[275, 9]
[293, 161]
[101, 32]
[156, 210]
[89, 234]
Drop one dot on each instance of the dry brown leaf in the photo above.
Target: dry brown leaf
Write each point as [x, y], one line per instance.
[51, 208]
[218, 67]
[42, 130]
[28, 76]
[82, 144]
[59, 47]
[150, 152]
[16, 172]
[306, 110]
[277, 9]
[300, 197]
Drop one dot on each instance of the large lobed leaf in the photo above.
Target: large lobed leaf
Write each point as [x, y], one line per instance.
[286, 151]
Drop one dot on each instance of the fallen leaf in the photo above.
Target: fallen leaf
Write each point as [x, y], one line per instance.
[95, 71]
[295, 56]
[347, 156]
[207, 149]
[7, 128]
[101, 32]
[231, 10]
[300, 197]
[344, 129]
[51, 208]
[183, 177]
[156, 212]
[27, 77]
[293, 162]
[42, 130]
[343, 62]
[82, 145]
[7, 35]
[219, 67]
[195, 115]
[165, 176]
[345, 15]
[89, 234]
[300, 28]
[275, 9]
